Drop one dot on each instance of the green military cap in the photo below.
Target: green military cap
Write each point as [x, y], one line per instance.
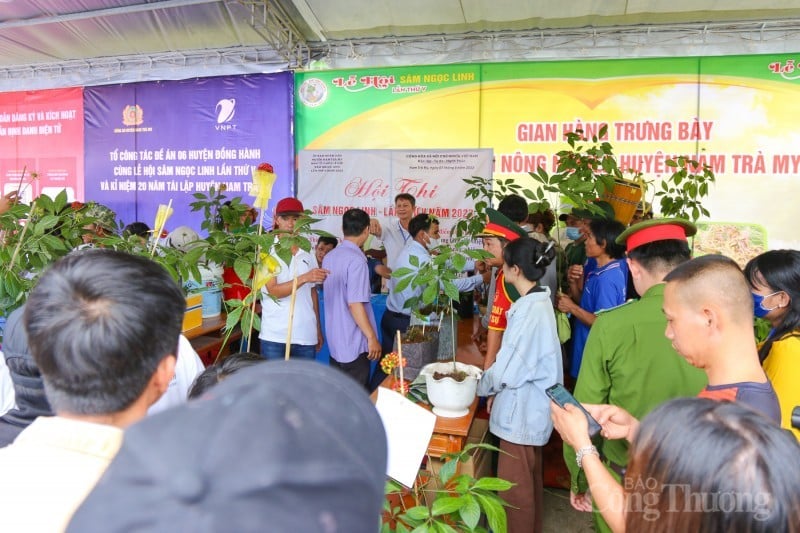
[657, 229]
[607, 211]
[501, 226]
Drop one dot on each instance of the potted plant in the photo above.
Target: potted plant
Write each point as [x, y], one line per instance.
[434, 278]
[589, 171]
[33, 237]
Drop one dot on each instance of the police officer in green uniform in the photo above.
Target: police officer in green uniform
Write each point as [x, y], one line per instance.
[627, 360]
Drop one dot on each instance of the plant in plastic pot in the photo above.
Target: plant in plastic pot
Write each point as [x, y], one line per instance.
[434, 280]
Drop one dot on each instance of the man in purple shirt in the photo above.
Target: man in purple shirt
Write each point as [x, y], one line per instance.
[349, 321]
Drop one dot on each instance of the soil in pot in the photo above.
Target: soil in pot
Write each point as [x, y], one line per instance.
[458, 375]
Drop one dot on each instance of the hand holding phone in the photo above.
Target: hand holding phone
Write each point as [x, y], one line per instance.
[561, 396]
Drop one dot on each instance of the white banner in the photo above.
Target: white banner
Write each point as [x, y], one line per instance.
[332, 181]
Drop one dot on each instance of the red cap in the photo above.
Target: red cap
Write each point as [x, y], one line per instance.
[657, 229]
[289, 206]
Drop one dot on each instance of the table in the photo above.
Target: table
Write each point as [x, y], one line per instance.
[449, 434]
[206, 339]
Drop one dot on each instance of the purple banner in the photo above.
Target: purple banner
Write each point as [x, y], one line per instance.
[148, 143]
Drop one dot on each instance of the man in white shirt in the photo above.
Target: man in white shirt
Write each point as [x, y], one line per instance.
[306, 337]
[394, 231]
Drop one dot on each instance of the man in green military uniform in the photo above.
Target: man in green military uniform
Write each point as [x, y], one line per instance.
[627, 360]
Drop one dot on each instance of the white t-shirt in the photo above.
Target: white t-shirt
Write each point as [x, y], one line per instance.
[275, 313]
[187, 367]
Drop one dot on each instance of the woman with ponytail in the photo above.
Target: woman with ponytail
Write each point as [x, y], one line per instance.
[774, 278]
[528, 362]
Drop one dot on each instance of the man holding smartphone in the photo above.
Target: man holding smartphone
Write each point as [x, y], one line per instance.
[627, 360]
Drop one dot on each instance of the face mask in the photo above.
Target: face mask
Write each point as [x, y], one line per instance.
[758, 305]
[433, 243]
[573, 234]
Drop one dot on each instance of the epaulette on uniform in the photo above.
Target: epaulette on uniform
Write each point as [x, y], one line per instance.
[604, 311]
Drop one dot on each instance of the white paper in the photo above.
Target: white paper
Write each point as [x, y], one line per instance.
[408, 432]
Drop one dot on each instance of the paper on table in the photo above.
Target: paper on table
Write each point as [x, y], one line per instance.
[408, 432]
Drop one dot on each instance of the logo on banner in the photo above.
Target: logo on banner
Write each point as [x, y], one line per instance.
[132, 115]
[313, 92]
[225, 110]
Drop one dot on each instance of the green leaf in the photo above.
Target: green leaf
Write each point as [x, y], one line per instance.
[243, 267]
[420, 512]
[414, 260]
[446, 505]
[403, 284]
[430, 293]
[459, 262]
[495, 513]
[447, 471]
[493, 483]
[450, 289]
[470, 512]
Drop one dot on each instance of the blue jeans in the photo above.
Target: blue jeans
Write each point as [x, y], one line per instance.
[273, 351]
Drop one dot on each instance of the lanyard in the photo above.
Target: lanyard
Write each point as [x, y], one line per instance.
[404, 234]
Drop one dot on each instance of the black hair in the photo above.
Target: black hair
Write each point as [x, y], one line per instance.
[605, 234]
[741, 472]
[661, 255]
[140, 229]
[354, 222]
[421, 222]
[546, 218]
[333, 241]
[514, 207]
[719, 278]
[530, 255]
[99, 324]
[216, 373]
[406, 196]
[780, 271]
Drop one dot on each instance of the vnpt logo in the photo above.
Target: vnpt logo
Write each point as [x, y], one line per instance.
[225, 110]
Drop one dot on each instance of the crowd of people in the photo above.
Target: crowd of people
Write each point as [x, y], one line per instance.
[695, 411]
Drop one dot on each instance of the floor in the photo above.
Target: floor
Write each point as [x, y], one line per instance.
[559, 516]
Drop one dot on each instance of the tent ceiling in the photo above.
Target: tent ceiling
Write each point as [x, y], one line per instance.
[58, 42]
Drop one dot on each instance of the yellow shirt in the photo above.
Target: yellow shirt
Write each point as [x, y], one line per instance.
[49, 470]
[782, 367]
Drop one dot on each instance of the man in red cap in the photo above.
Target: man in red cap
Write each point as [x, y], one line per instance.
[276, 297]
[627, 360]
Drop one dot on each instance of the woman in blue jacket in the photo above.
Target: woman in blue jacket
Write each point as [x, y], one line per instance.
[528, 362]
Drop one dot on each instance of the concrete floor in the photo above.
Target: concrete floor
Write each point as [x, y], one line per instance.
[560, 517]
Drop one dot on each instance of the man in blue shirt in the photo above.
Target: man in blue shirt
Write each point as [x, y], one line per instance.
[349, 319]
[398, 316]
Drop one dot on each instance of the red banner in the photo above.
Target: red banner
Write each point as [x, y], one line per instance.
[41, 134]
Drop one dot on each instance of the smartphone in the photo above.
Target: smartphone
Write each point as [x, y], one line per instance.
[562, 397]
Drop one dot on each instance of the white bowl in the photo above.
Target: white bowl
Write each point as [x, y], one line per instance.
[451, 398]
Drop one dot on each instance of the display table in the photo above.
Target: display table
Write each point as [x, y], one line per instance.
[206, 339]
[449, 434]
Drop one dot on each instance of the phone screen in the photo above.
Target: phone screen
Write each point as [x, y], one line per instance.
[562, 397]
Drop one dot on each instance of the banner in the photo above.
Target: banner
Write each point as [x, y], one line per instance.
[148, 143]
[332, 181]
[41, 134]
[737, 114]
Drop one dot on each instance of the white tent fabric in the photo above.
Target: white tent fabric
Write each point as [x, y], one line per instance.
[52, 43]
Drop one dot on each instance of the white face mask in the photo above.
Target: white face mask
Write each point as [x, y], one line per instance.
[433, 243]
